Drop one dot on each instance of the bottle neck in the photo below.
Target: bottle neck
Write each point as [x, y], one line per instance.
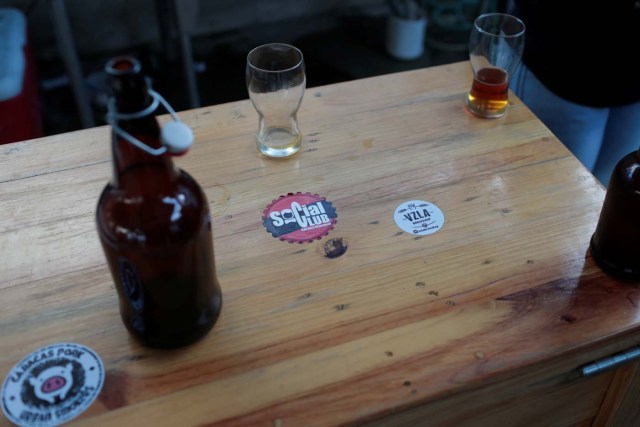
[133, 166]
[130, 163]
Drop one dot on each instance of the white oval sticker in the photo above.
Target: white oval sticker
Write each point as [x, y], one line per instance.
[419, 217]
[52, 385]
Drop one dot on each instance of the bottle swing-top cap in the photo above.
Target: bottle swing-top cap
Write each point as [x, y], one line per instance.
[177, 137]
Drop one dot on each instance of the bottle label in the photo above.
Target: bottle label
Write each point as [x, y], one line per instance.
[299, 217]
[419, 217]
[52, 385]
[131, 285]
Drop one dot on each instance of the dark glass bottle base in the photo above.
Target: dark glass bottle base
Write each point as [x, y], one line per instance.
[173, 336]
[610, 266]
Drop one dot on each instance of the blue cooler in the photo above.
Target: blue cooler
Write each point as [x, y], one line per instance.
[19, 99]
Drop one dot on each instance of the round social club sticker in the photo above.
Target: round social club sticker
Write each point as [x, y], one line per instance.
[419, 217]
[52, 385]
[299, 217]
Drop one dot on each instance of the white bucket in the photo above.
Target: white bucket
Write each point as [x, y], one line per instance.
[405, 37]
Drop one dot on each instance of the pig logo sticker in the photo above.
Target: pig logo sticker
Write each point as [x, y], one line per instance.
[52, 385]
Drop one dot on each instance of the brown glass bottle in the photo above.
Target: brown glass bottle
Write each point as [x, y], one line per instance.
[155, 228]
[615, 245]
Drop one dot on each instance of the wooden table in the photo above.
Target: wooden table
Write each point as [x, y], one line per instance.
[485, 322]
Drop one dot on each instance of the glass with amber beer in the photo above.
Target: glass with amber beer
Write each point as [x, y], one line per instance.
[495, 49]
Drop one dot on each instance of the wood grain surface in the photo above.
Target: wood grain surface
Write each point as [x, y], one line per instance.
[475, 324]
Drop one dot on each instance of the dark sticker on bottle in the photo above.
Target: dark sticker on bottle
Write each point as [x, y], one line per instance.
[52, 385]
[299, 217]
[131, 285]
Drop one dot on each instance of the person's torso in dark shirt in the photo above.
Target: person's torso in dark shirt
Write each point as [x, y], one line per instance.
[584, 53]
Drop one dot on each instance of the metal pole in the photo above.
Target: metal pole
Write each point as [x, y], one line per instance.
[186, 13]
[69, 54]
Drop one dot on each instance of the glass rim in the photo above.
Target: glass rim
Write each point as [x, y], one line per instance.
[263, 46]
[133, 65]
[502, 16]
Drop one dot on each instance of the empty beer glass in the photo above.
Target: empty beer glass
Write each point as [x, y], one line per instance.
[276, 82]
[495, 48]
